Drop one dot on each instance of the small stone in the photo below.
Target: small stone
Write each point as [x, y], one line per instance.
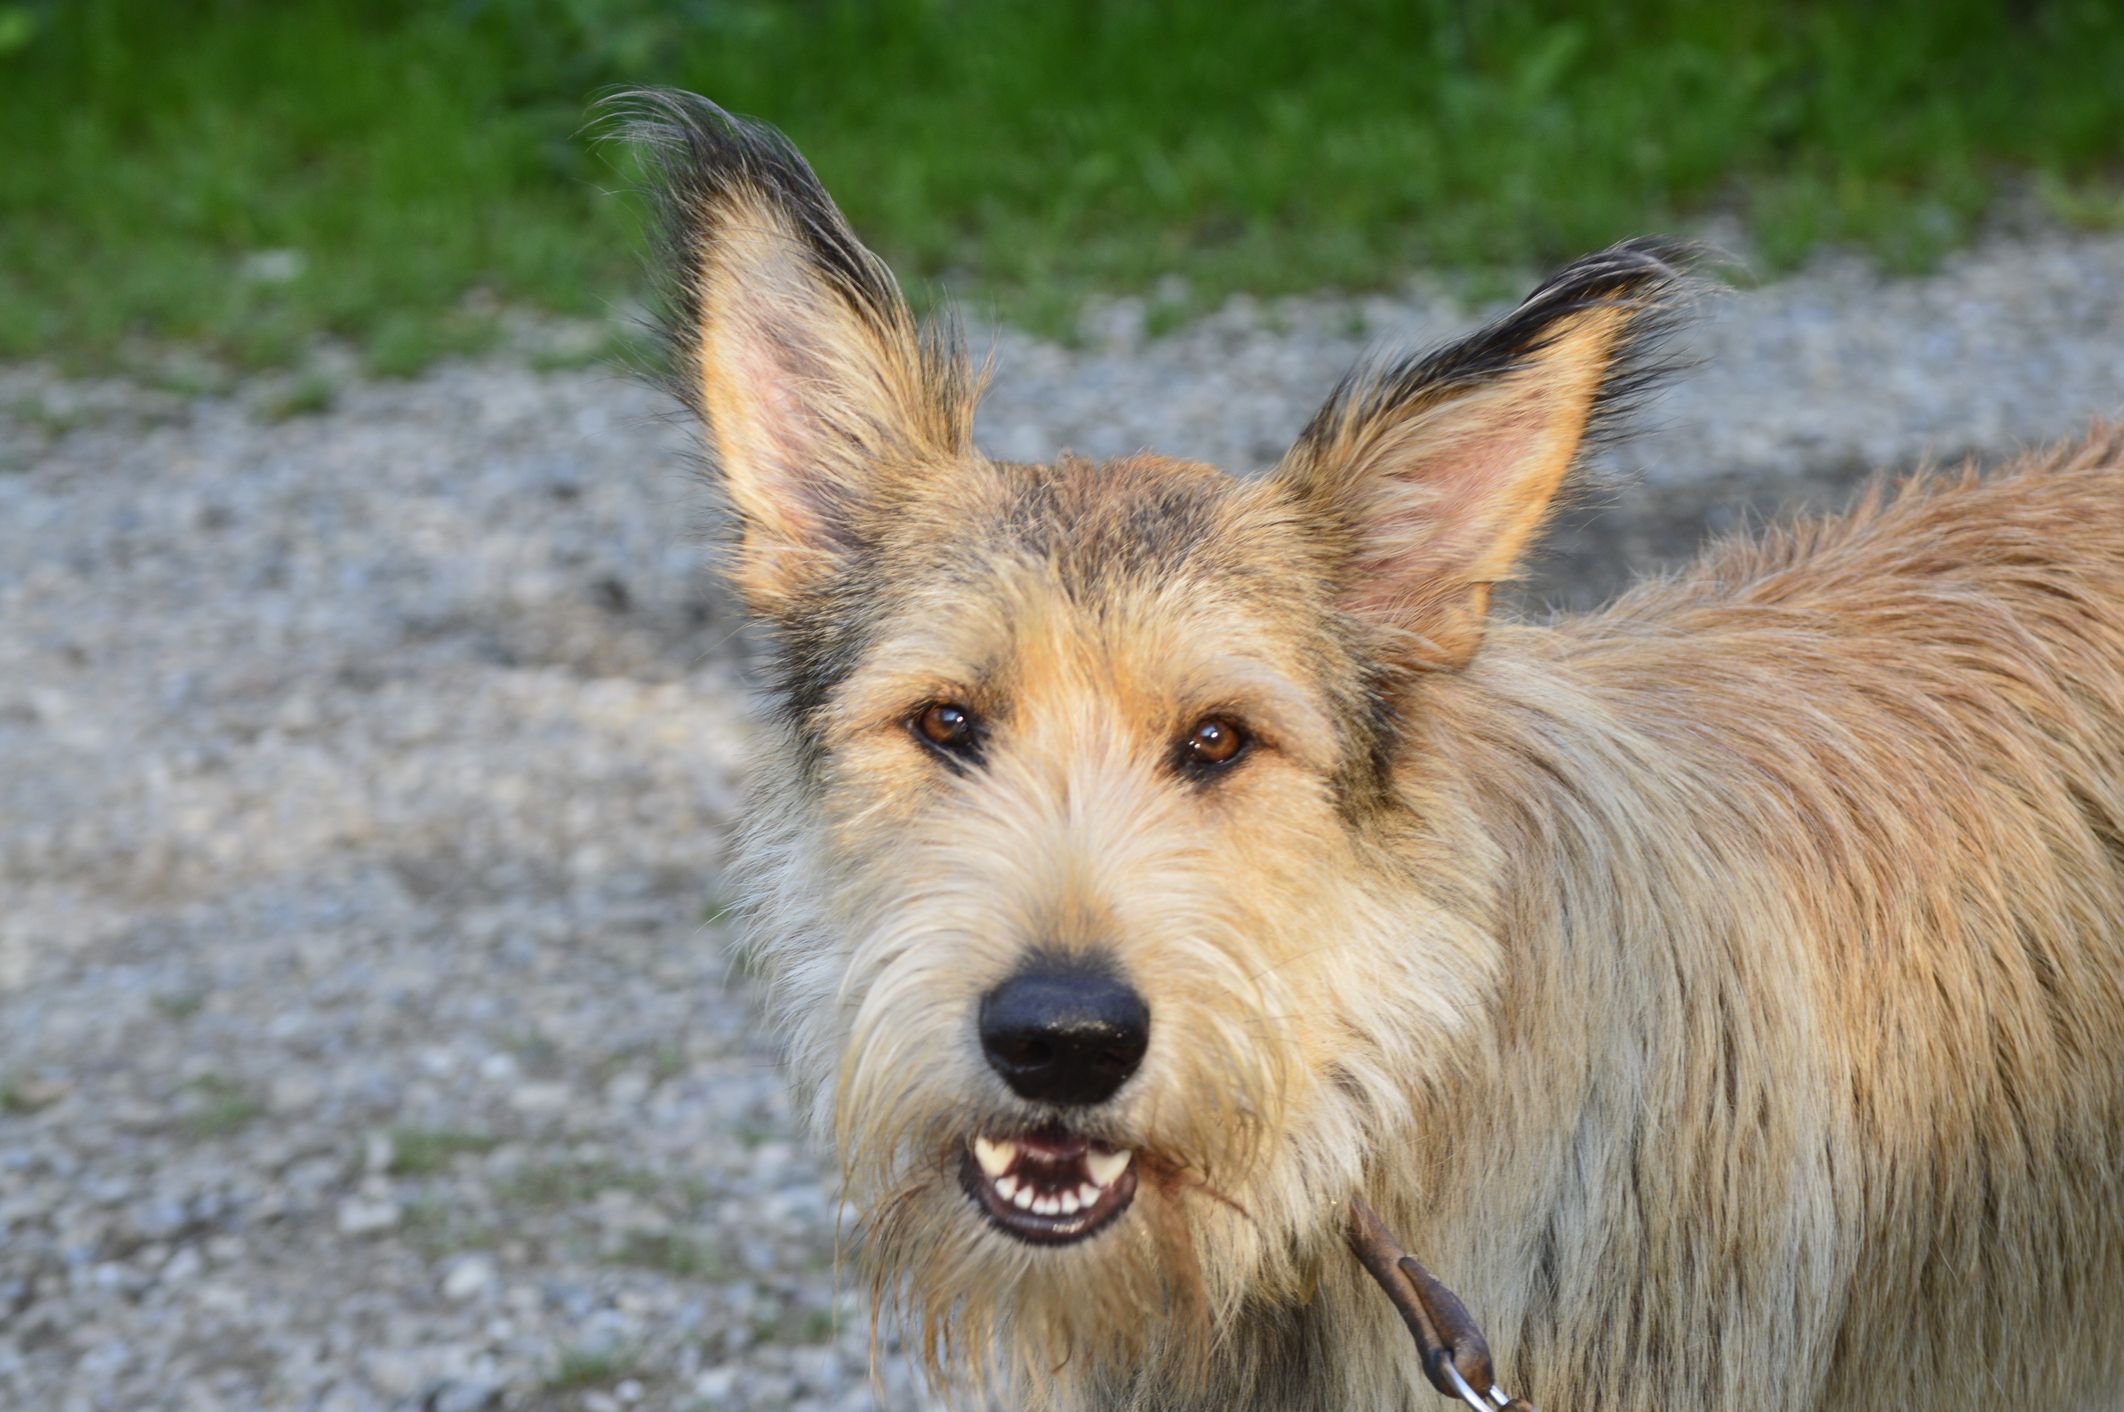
[273, 266]
[360, 1216]
[540, 1098]
[161, 1219]
[464, 1395]
[30, 1095]
[816, 1369]
[294, 1093]
[469, 1277]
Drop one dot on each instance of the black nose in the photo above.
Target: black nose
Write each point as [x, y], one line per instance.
[1064, 1032]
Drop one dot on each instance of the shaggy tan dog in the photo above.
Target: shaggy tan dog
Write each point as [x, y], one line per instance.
[1724, 992]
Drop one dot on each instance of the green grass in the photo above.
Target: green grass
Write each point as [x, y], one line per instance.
[551, 1184]
[304, 396]
[219, 1107]
[180, 1005]
[20, 1098]
[680, 1256]
[244, 175]
[423, 1152]
[438, 1228]
[793, 1325]
[585, 1367]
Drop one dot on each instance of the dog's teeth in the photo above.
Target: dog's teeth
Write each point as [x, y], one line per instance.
[1106, 1167]
[1069, 1203]
[1087, 1194]
[995, 1157]
[1047, 1206]
[1024, 1198]
[1006, 1187]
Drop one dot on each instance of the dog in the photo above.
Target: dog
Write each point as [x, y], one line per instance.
[1723, 991]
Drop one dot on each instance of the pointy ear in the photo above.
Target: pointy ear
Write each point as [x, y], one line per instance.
[823, 398]
[1430, 475]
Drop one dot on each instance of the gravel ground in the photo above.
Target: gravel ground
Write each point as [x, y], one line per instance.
[367, 1038]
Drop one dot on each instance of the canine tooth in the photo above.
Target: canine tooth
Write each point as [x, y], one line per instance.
[1047, 1206]
[995, 1157]
[1106, 1167]
[1024, 1199]
[1006, 1187]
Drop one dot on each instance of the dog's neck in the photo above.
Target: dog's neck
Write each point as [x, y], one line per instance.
[1538, 1185]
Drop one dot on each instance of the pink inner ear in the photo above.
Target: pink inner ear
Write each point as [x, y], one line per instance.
[757, 390]
[1453, 482]
[768, 374]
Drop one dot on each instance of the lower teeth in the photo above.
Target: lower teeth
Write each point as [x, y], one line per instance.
[1067, 1203]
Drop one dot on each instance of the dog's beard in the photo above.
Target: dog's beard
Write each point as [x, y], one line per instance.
[1211, 1224]
[985, 1311]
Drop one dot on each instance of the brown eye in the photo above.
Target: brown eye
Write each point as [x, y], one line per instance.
[1213, 741]
[946, 725]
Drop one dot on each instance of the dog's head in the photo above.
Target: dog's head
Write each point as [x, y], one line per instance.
[1085, 876]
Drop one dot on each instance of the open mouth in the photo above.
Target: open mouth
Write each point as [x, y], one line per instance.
[1050, 1186]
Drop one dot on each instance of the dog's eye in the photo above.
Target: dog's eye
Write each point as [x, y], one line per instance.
[1211, 744]
[947, 726]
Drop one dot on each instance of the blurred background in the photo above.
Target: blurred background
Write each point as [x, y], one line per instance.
[371, 729]
[244, 175]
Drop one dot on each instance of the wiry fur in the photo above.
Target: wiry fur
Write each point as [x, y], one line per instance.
[1724, 992]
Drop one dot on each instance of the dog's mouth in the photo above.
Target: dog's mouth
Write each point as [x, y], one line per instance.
[1049, 1186]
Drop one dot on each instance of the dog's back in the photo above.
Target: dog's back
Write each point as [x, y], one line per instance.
[1847, 880]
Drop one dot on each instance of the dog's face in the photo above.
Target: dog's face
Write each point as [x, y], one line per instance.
[1055, 864]
[1082, 873]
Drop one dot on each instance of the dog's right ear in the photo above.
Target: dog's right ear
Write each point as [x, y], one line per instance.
[1431, 474]
[822, 396]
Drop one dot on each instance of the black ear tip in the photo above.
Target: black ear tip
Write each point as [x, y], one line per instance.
[692, 141]
[656, 118]
[1648, 265]
[1661, 267]
[1669, 251]
[624, 105]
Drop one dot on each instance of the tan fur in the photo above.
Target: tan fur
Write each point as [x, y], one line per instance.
[1724, 991]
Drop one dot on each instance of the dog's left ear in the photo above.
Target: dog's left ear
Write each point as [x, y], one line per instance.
[826, 402]
[1430, 475]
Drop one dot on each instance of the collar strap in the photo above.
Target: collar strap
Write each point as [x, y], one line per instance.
[1456, 1357]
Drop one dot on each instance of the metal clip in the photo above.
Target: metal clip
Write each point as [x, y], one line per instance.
[1497, 1398]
